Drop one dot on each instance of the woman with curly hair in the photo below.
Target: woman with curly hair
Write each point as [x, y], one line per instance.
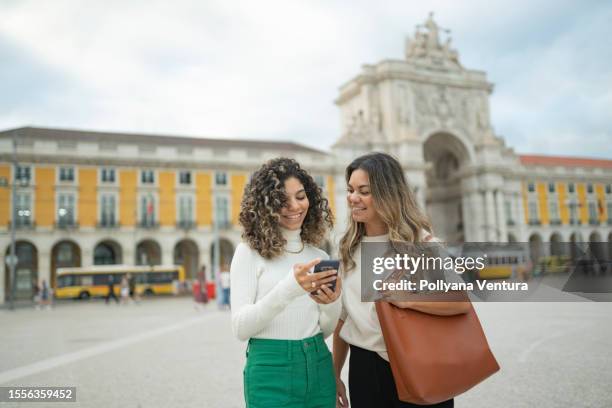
[283, 309]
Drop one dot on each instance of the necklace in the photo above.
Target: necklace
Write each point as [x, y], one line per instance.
[296, 252]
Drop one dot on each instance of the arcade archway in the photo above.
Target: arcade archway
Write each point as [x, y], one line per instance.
[445, 155]
[148, 252]
[107, 252]
[26, 271]
[186, 254]
[64, 254]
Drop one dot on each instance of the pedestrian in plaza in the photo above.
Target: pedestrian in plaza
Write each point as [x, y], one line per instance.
[111, 290]
[45, 295]
[196, 289]
[199, 290]
[282, 309]
[382, 207]
[134, 296]
[224, 278]
[124, 290]
[36, 293]
[203, 284]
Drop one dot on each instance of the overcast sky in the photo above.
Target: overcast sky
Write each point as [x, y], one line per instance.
[271, 69]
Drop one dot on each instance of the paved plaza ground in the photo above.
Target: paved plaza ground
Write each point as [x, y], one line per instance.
[165, 353]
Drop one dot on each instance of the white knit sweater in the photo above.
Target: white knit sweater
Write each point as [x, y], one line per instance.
[267, 302]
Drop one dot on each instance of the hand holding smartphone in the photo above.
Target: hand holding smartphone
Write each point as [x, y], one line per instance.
[330, 264]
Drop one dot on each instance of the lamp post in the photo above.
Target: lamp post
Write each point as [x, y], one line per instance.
[216, 249]
[12, 261]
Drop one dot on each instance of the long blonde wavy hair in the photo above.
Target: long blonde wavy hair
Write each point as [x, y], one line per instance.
[394, 202]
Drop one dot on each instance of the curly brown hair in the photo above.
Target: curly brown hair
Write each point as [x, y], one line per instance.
[265, 196]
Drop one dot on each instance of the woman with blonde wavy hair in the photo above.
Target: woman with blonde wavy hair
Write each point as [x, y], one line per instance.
[278, 305]
[382, 208]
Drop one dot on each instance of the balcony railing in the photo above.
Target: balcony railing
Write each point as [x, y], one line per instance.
[224, 224]
[575, 222]
[185, 224]
[510, 223]
[108, 224]
[593, 221]
[66, 224]
[22, 224]
[555, 222]
[535, 222]
[148, 224]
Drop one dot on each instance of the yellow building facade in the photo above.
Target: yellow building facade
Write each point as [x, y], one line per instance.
[86, 198]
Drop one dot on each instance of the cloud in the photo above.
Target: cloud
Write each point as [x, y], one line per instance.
[271, 69]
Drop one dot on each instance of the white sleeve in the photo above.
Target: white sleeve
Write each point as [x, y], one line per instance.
[250, 317]
[328, 316]
[329, 313]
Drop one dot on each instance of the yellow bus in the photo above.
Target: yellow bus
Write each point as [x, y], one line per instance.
[502, 263]
[86, 282]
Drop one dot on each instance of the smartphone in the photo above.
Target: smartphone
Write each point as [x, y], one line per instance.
[326, 266]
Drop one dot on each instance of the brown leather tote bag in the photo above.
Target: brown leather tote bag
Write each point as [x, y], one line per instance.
[434, 358]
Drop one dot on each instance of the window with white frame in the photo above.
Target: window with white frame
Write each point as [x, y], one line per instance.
[107, 175]
[185, 178]
[592, 211]
[221, 178]
[531, 187]
[65, 209]
[222, 211]
[590, 188]
[108, 210]
[147, 177]
[553, 210]
[66, 174]
[573, 207]
[147, 210]
[23, 209]
[609, 208]
[185, 209]
[23, 174]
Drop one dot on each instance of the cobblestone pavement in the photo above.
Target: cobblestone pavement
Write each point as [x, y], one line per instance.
[164, 353]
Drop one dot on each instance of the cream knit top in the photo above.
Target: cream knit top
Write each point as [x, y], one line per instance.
[267, 302]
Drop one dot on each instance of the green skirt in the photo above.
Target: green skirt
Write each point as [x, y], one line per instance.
[289, 373]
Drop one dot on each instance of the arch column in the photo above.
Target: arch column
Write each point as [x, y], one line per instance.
[128, 255]
[87, 256]
[490, 226]
[519, 214]
[473, 211]
[44, 265]
[501, 216]
[167, 255]
[471, 206]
